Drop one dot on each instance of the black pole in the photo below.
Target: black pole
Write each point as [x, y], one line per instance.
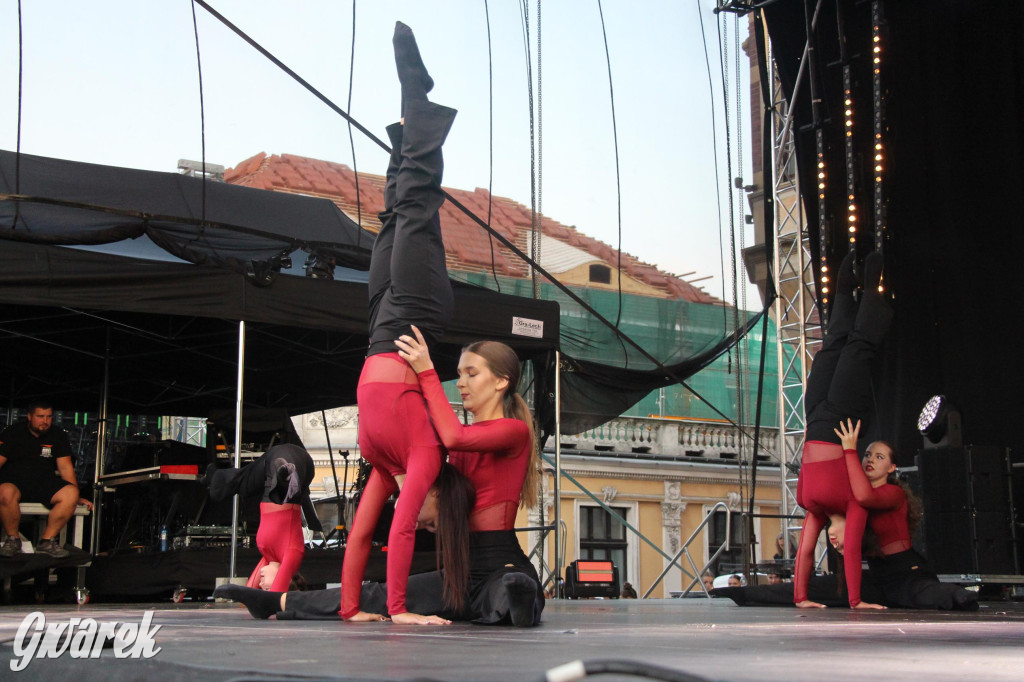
[751, 540]
[334, 472]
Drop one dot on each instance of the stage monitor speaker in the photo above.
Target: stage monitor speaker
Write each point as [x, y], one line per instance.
[591, 579]
[968, 511]
[961, 542]
[964, 479]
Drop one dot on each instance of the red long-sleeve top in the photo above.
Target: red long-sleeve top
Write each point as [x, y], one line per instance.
[886, 504]
[493, 454]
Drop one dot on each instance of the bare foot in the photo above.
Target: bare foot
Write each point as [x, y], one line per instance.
[416, 619]
[866, 605]
[808, 604]
[364, 617]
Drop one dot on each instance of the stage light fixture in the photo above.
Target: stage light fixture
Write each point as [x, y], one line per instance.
[939, 423]
[319, 266]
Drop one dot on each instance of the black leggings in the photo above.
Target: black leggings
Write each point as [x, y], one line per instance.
[906, 582]
[408, 279]
[839, 385]
[492, 555]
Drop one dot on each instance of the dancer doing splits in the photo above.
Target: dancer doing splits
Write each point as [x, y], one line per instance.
[839, 387]
[408, 284]
[283, 474]
[498, 454]
[900, 573]
[898, 576]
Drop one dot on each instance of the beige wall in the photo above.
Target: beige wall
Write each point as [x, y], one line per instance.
[580, 276]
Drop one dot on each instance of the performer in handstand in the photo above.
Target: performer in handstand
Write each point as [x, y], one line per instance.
[408, 285]
[498, 453]
[282, 474]
[839, 387]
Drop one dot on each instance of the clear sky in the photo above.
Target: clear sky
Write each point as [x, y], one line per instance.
[116, 82]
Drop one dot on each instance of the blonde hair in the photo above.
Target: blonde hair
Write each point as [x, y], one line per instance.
[504, 362]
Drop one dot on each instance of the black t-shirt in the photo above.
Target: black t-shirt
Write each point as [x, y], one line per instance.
[30, 457]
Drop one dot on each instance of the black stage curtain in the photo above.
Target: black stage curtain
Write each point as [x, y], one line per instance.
[953, 71]
[161, 573]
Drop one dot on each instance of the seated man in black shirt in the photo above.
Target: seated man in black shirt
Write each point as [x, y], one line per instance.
[32, 453]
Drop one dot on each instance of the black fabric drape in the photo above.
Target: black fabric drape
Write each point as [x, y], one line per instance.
[953, 73]
[174, 333]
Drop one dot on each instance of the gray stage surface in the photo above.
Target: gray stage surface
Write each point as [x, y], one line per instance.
[712, 639]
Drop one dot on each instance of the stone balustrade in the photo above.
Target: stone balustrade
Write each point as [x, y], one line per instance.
[669, 438]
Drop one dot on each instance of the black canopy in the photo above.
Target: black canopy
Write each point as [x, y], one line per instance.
[168, 331]
[53, 201]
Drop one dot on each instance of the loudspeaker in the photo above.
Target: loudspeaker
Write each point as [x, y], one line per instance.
[968, 511]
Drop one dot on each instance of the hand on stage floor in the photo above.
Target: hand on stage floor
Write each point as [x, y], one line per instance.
[416, 619]
[808, 604]
[414, 351]
[364, 617]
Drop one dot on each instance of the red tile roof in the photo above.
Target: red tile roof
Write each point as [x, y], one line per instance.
[469, 247]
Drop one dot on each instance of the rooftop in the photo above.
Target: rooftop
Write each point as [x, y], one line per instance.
[468, 246]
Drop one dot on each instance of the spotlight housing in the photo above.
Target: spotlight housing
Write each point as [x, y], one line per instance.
[939, 423]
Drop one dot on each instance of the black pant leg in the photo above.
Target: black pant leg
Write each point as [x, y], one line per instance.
[380, 258]
[489, 598]
[423, 595]
[420, 292]
[313, 605]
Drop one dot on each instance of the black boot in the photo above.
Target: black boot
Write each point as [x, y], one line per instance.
[412, 74]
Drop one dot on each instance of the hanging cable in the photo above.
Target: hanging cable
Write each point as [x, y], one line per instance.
[615, 140]
[728, 170]
[202, 117]
[714, 142]
[740, 196]
[351, 139]
[17, 149]
[490, 141]
[624, 338]
[722, 46]
[534, 237]
[539, 215]
[821, 167]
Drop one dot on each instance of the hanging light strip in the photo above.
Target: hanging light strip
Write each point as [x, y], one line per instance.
[877, 110]
[819, 139]
[851, 212]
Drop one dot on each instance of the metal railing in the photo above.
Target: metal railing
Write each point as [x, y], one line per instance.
[685, 549]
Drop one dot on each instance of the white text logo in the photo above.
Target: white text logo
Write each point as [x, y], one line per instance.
[524, 326]
[82, 638]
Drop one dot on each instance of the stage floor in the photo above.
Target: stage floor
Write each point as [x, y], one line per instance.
[711, 639]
